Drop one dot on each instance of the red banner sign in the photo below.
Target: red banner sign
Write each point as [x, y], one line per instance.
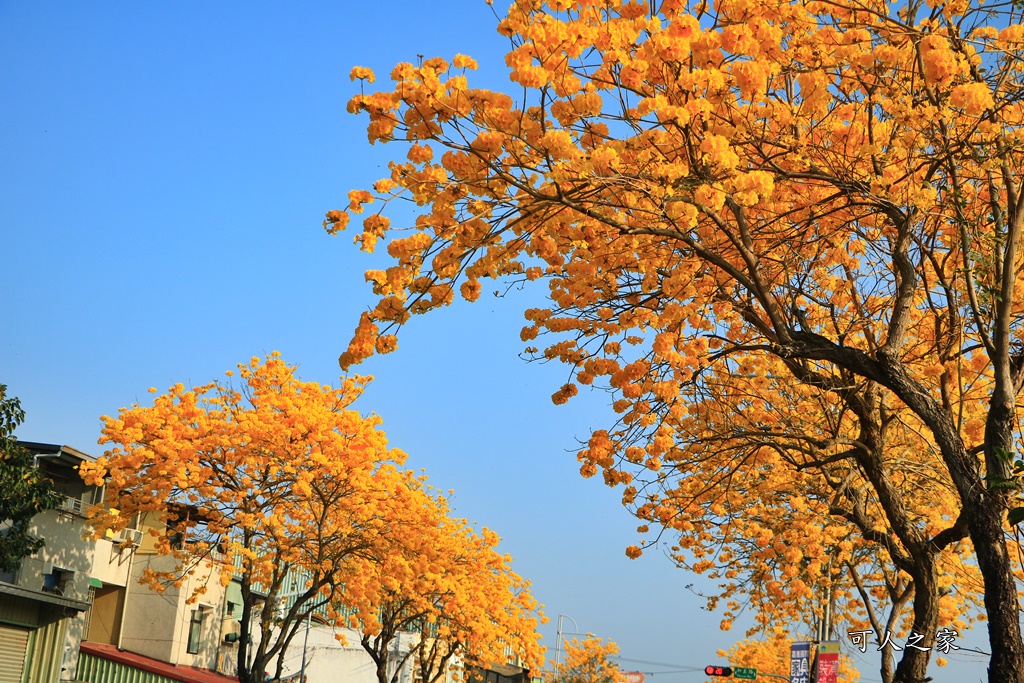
[828, 662]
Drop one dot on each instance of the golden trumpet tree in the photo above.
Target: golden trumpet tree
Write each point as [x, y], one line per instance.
[282, 477]
[784, 235]
[589, 661]
[770, 655]
[450, 588]
[791, 535]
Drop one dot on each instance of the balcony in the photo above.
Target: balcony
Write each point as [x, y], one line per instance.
[74, 506]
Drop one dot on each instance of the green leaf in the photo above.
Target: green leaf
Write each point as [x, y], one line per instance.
[1015, 516]
[1000, 484]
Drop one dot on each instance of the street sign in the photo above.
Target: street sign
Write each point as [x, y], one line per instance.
[828, 662]
[744, 672]
[799, 663]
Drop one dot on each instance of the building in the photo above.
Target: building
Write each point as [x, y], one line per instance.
[75, 611]
[138, 634]
[45, 603]
[499, 673]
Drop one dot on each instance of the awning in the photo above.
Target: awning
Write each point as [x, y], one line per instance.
[41, 596]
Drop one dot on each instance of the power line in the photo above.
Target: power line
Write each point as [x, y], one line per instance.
[672, 671]
[644, 661]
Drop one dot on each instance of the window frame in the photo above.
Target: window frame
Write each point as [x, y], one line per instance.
[195, 632]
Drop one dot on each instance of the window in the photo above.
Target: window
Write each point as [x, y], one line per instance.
[57, 580]
[195, 629]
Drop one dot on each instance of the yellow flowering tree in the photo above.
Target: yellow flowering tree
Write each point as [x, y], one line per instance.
[449, 587]
[786, 237]
[589, 661]
[281, 476]
[789, 535]
[770, 655]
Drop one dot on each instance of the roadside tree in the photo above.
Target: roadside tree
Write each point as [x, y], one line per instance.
[770, 655]
[24, 492]
[792, 537]
[276, 479]
[801, 217]
[589, 661]
[450, 588]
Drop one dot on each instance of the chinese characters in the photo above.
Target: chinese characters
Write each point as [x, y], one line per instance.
[944, 638]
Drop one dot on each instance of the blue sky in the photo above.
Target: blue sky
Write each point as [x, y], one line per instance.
[165, 171]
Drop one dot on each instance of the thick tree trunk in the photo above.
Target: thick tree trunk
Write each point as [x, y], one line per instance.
[984, 509]
[1001, 606]
[985, 522]
[913, 665]
[886, 670]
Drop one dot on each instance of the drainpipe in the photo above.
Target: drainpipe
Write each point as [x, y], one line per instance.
[124, 605]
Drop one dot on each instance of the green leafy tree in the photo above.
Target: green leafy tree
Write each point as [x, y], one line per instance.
[24, 493]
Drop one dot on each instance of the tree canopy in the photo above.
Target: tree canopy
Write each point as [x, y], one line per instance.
[771, 655]
[785, 236]
[449, 587]
[588, 660]
[279, 480]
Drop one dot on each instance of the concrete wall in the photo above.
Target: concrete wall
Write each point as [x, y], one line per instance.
[111, 561]
[156, 624]
[65, 548]
[329, 659]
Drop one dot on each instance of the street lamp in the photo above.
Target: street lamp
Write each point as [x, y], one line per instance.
[560, 633]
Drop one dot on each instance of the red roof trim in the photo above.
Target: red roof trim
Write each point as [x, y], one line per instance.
[185, 674]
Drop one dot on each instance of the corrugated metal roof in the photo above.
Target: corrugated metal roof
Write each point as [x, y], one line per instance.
[184, 674]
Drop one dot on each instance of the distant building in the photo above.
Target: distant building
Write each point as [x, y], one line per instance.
[499, 673]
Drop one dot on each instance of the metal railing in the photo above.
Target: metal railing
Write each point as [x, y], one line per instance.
[73, 505]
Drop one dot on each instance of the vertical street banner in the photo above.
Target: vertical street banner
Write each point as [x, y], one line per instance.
[828, 662]
[800, 663]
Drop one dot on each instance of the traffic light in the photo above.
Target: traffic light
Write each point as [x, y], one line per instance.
[718, 670]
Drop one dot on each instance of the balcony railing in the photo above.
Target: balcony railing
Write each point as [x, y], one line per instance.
[74, 506]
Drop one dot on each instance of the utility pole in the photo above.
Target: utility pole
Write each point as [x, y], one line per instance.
[305, 643]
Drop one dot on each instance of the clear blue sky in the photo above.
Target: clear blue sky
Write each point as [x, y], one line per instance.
[165, 168]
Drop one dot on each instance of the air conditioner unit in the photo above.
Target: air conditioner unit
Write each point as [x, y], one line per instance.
[129, 537]
[231, 629]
